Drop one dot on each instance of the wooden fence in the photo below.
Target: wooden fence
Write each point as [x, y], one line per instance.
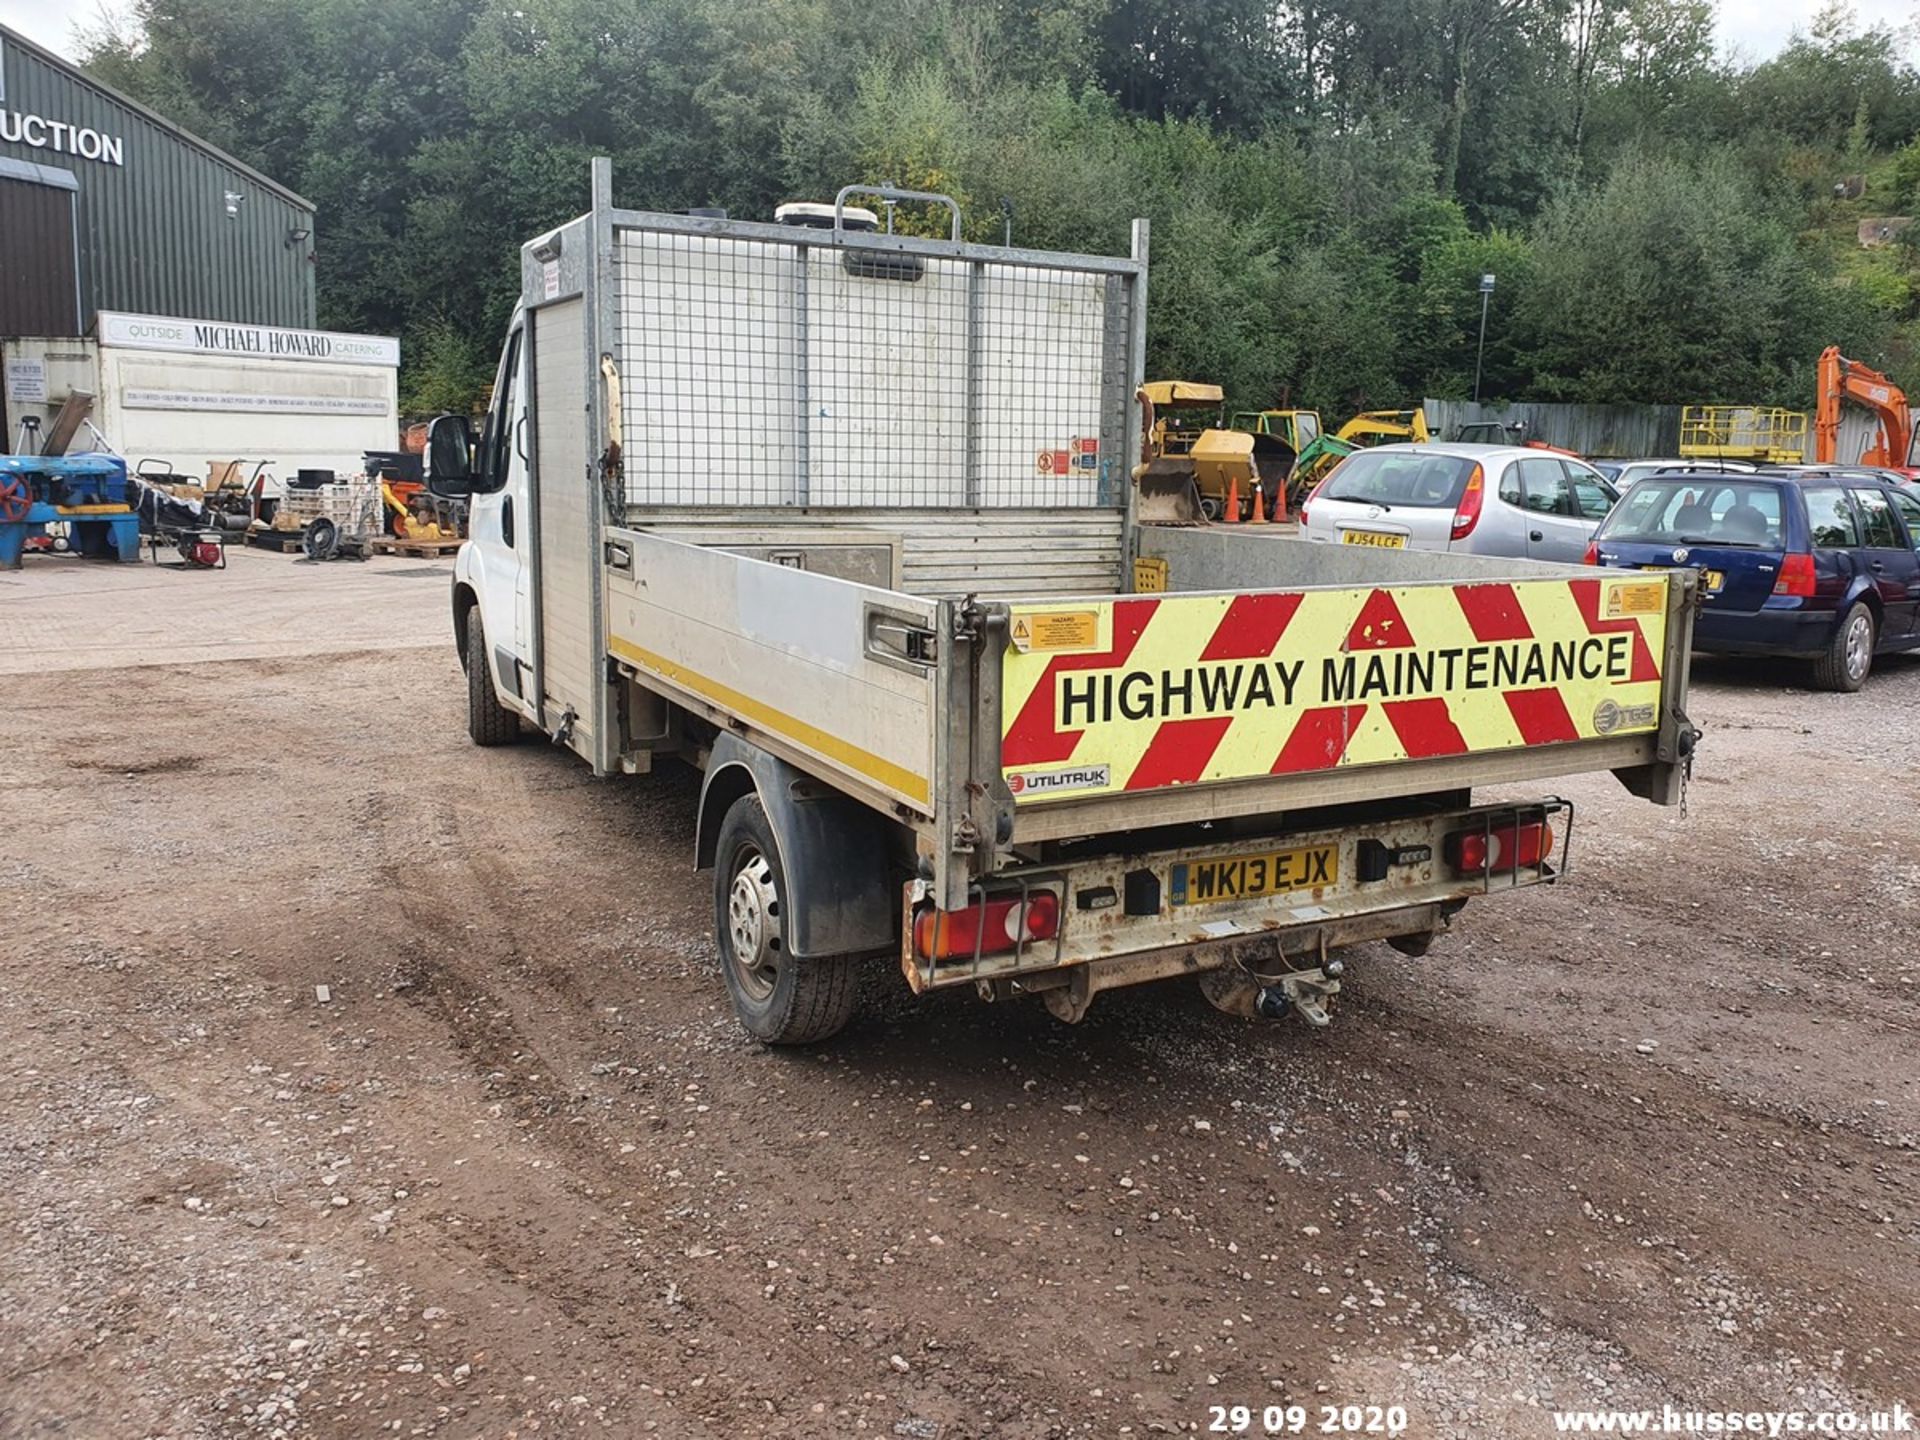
[1600, 431]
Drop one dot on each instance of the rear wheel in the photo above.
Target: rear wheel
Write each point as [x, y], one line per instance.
[1849, 653]
[779, 997]
[488, 721]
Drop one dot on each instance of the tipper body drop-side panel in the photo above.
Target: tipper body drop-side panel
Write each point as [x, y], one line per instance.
[813, 666]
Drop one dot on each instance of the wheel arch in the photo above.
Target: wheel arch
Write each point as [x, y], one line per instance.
[834, 852]
[464, 599]
[1863, 593]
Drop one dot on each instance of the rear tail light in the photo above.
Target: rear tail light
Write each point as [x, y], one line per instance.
[1796, 576]
[1592, 557]
[1314, 495]
[989, 928]
[1466, 515]
[1495, 852]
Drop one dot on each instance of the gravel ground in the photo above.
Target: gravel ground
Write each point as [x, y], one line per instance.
[1647, 1137]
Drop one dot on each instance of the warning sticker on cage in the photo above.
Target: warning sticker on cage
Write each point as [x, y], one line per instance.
[1640, 597]
[1055, 630]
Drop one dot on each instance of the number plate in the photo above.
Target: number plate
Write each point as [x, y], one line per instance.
[1377, 538]
[1252, 877]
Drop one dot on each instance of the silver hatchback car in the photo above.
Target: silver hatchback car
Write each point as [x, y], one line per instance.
[1510, 500]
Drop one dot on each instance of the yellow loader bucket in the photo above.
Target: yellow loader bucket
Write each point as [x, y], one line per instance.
[1167, 494]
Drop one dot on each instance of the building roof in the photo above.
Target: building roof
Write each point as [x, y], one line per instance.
[153, 117]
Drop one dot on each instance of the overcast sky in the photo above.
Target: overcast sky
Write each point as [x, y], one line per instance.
[1754, 29]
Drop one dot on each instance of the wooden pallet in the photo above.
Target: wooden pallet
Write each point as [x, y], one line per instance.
[421, 549]
[279, 540]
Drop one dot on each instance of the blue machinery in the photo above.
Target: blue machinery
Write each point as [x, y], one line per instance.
[87, 493]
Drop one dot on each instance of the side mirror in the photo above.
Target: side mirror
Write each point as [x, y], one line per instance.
[449, 457]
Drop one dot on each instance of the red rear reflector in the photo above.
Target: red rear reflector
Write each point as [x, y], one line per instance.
[1592, 557]
[1494, 852]
[1467, 514]
[989, 929]
[1796, 576]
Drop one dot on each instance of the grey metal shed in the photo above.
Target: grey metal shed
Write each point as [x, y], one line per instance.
[106, 205]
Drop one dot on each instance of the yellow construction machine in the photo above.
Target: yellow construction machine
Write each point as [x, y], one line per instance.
[1193, 464]
[1386, 427]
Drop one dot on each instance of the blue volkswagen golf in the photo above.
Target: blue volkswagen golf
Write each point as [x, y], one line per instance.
[1815, 567]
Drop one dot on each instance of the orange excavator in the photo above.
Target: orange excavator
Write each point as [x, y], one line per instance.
[1844, 381]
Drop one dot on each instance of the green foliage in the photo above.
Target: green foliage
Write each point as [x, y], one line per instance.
[1326, 182]
[1906, 178]
[447, 368]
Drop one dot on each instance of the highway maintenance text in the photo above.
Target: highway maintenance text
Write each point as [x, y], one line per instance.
[1236, 686]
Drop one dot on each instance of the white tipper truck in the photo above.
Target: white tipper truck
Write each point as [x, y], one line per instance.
[846, 520]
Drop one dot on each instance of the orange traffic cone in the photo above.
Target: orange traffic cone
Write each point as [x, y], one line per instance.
[1259, 504]
[1232, 516]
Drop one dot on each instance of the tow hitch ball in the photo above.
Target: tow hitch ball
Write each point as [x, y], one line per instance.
[1305, 993]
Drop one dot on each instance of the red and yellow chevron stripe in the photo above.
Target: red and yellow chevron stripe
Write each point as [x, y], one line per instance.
[1151, 691]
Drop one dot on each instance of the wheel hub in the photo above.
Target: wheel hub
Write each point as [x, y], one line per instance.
[1857, 646]
[754, 940]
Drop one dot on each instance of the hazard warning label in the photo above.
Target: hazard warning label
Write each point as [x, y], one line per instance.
[1055, 630]
[1187, 689]
[1637, 597]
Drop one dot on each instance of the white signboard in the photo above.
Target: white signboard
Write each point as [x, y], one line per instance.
[266, 342]
[27, 382]
[252, 404]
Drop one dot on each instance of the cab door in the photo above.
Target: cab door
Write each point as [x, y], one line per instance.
[498, 526]
[1893, 557]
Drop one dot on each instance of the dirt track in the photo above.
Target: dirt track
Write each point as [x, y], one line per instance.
[1645, 1138]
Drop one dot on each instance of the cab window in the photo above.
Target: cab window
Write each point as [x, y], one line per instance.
[1881, 531]
[498, 438]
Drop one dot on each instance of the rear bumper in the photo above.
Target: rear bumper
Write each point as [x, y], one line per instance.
[1763, 632]
[1137, 916]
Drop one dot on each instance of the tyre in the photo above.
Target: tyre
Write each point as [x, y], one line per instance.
[488, 721]
[1843, 666]
[780, 998]
[321, 539]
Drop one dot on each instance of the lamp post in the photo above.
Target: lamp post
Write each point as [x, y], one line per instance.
[1486, 289]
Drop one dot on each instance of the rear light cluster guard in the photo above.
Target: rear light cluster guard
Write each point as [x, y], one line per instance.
[993, 925]
[1518, 843]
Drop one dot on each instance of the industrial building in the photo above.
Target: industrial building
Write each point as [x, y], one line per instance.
[105, 205]
[171, 284]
